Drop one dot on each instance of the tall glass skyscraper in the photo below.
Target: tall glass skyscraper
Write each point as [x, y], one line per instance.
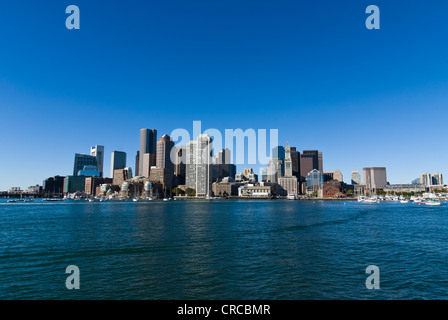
[148, 144]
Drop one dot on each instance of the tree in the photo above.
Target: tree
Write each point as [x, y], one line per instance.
[190, 192]
[178, 191]
[350, 192]
[315, 193]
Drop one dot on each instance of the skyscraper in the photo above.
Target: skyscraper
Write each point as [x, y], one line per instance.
[163, 159]
[98, 152]
[437, 179]
[117, 161]
[148, 144]
[198, 166]
[179, 165]
[288, 182]
[374, 178]
[288, 161]
[82, 160]
[295, 162]
[222, 166]
[426, 179]
[310, 160]
[356, 177]
[203, 166]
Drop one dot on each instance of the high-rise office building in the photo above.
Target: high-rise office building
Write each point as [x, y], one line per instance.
[310, 160]
[295, 162]
[82, 160]
[199, 165]
[314, 180]
[179, 165]
[98, 152]
[356, 177]
[203, 166]
[374, 178]
[137, 163]
[426, 179]
[121, 175]
[190, 164]
[437, 179]
[163, 159]
[117, 161]
[148, 144]
[222, 166]
[288, 182]
[333, 175]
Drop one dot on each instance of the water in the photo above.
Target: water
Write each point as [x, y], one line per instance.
[223, 249]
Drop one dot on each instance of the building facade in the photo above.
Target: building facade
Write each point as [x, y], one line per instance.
[98, 152]
[148, 145]
[117, 161]
[82, 160]
[375, 178]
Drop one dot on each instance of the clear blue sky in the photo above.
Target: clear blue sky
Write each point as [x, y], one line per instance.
[308, 68]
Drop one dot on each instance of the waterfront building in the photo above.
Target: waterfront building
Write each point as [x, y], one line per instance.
[255, 191]
[117, 161]
[199, 165]
[89, 171]
[375, 178]
[82, 160]
[395, 188]
[91, 184]
[163, 159]
[53, 185]
[203, 166]
[190, 164]
[148, 145]
[224, 188]
[426, 179]
[310, 160]
[334, 189]
[121, 175]
[415, 181]
[314, 180]
[74, 184]
[98, 152]
[356, 177]
[160, 175]
[437, 179]
[333, 175]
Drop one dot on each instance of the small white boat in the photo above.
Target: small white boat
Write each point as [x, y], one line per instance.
[371, 200]
[165, 199]
[291, 197]
[404, 201]
[135, 199]
[433, 202]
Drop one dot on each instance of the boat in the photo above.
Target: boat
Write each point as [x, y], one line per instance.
[404, 201]
[433, 202]
[361, 198]
[135, 199]
[52, 199]
[291, 197]
[371, 200]
[165, 199]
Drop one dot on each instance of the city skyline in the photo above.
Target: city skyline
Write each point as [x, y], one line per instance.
[311, 70]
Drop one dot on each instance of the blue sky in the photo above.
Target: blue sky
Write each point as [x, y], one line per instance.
[308, 68]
